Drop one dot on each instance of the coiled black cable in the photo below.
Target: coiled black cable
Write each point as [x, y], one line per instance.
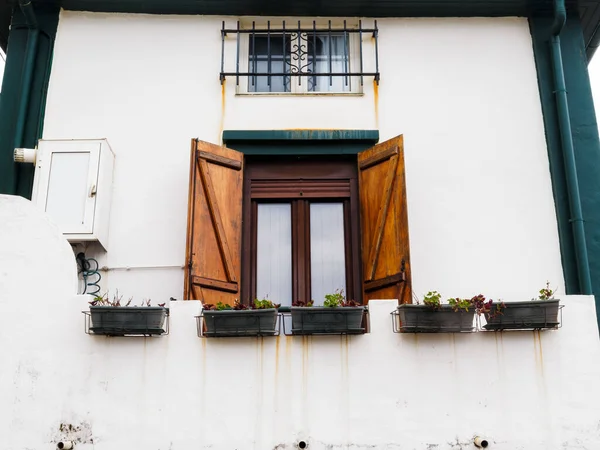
[88, 268]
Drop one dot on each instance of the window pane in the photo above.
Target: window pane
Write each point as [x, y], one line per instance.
[327, 250]
[274, 253]
[332, 48]
[258, 62]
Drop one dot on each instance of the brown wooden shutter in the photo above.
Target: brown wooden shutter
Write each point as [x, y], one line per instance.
[214, 237]
[384, 222]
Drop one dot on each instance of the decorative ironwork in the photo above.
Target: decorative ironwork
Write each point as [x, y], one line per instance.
[294, 52]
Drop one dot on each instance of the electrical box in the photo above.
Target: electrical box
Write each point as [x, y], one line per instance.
[73, 184]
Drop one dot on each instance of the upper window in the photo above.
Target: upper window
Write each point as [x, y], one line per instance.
[315, 59]
[324, 58]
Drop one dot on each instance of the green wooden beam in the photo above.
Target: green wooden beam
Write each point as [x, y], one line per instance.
[301, 135]
[300, 142]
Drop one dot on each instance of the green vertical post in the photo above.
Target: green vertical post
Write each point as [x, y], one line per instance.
[24, 94]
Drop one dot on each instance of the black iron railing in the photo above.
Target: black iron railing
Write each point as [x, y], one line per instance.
[281, 53]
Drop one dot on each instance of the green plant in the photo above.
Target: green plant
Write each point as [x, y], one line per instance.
[337, 299]
[334, 300]
[432, 299]
[460, 303]
[264, 304]
[303, 304]
[546, 293]
[237, 306]
[220, 306]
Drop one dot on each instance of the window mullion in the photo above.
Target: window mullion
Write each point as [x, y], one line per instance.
[307, 265]
[295, 246]
[301, 226]
[350, 294]
[294, 62]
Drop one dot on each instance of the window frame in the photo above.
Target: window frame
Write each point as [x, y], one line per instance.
[296, 88]
[288, 183]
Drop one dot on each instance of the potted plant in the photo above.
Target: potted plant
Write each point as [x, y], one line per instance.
[110, 318]
[538, 313]
[336, 316]
[258, 319]
[434, 317]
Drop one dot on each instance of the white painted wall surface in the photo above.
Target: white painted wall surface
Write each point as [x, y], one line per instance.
[35, 259]
[462, 91]
[379, 391]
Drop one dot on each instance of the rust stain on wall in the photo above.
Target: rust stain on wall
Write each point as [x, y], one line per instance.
[277, 342]
[305, 355]
[455, 358]
[260, 355]
[376, 101]
[222, 122]
[288, 356]
[306, 341]
[497, 345]
[539, 354]
[345, 352]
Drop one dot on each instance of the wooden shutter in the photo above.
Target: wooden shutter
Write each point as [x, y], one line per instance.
[384, 222]
[214, 236]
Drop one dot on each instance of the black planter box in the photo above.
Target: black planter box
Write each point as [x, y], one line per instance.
[121, 321]
[535, 314]
[424, 319]
[251, 322]
[322, 320]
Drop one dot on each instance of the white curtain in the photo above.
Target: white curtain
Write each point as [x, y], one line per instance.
[274, 253]
[336, 48]
[327, 250]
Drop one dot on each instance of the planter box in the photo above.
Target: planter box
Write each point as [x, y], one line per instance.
[535, 314]
[321, 320]
[423, 319]
[252, 322]
[120, 321]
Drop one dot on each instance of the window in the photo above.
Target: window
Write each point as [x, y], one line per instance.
[295, 228]
[302, 236]
[313, 59]
[324, 55]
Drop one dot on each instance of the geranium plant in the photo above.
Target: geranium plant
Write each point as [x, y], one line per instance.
[546, 293]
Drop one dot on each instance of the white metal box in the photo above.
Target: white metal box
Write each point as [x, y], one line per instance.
[73, 184]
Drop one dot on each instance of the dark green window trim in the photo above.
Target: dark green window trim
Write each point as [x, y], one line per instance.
[300, 142]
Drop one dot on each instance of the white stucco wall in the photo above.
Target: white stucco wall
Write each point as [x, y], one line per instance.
[462, 91]
[379, 391]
